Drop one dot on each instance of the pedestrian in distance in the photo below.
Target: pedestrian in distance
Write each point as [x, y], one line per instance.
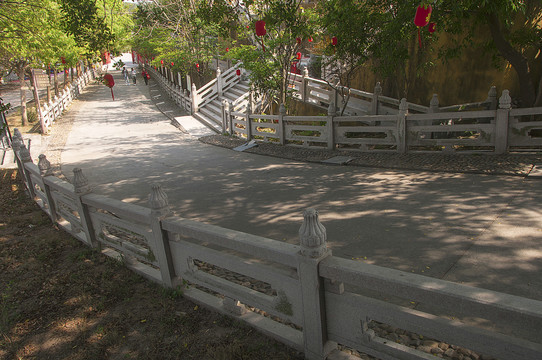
[125, 74]
[146, 76]
[134, 74]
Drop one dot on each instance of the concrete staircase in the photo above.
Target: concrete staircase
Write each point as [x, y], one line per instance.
[210, 114]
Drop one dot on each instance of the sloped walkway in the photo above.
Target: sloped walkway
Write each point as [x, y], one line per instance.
[478, 229]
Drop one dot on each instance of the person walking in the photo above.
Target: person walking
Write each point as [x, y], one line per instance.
[125, 74]
[134, 74]
[146, 76]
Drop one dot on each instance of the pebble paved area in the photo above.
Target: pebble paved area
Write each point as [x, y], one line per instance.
[510, 164]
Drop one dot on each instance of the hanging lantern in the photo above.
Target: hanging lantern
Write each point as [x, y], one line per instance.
[298, 55]
[227, 49]
[260, 31]
[310, 39]
[161, 62]
[238, 72]
[334, 42]
[298, 40]
[423, 15]
[63, 59]
[431, 28]
[172, 63]
[109, 82]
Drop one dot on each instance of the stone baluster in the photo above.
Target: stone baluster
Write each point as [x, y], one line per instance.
[313, 237]
[492, 98]
[502, 119]
[376, 94]
[194, 97]
[45, 170]
[219, 84]
[331, 112]
[158, 202]
[434, 104]
[401, 127]
[282, 128]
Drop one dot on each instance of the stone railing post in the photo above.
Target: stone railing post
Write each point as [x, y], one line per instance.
[248, 122]
[230, 118]
[331, 112]
[194, 98]
[374, 103]
[312, 236]
[160, 210]
[81, 188]
[304, 84]
[185, 99]
[219, 84]
[433, 104]
[502, 122]
[224, 109]
[401, 127]
[25, 157]
[282, 127]
[45, 170]
[492, 98]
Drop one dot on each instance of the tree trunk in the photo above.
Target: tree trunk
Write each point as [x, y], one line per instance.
[516, 59]
[24, 116]
[56, 82]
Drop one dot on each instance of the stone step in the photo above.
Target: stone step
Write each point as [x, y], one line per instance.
[211, 124]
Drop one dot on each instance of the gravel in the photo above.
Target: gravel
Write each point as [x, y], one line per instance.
[508, 164]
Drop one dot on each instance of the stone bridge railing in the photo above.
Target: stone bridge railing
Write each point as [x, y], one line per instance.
[315, 302]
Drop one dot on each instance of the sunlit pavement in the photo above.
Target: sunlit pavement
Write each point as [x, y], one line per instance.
[476, 229]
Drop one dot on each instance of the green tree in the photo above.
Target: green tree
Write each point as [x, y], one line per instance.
[288, 28]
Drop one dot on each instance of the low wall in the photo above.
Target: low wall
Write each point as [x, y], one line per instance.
[312, 301]
[53, 110]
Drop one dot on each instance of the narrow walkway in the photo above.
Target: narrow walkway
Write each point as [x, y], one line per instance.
[477, 229]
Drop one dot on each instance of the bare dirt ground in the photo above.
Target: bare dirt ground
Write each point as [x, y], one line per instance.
[62, 300]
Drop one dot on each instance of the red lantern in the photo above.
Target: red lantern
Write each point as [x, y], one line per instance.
[172, 63]
[298, 55]
[260, 31]
[310, 39]
[109, 82]
[63, 59]
[423, 14]
[161, 62]
[197, 66]
[298, 40]
[227, 49]
[238, 72]
[334, 41]
[432, 27]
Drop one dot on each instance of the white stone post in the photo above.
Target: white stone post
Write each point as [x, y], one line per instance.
[25, 157]
[502, 123]
[374, 103]
[180, 80]
[219, 84]
[248, 123]
[434, 104]
[492, 98]
[331, 112]
[230, 118]
[82, 188]
[282, 128]
[401, 127]
[45, 170]
[312, 236]
[160, 210]
[224, 108]
[194, 98]
[185, 99]
[304, 84]
[188, 82]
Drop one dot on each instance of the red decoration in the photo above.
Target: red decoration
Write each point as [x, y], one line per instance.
[197, 66]
[172, 63]
[260, 31]
[298, 40]
[310, 39]
[421, 19]
[432, 27]
[109, 82]
[298, 55]
[227, 49]
[63, 59]
[238, 72]
[161, 62]
[334, 41]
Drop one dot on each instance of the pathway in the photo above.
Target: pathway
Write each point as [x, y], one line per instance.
[477, 229]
